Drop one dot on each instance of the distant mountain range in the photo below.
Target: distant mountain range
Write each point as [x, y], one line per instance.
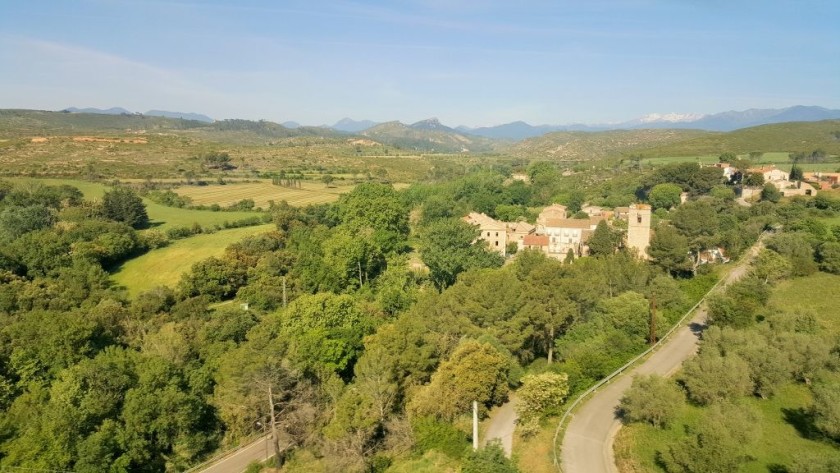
[519, 130]
[151, 113]
[725, 121]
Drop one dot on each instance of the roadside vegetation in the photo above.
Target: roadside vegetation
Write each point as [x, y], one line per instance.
[762, 393]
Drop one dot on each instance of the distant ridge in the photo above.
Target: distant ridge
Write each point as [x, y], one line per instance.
[151, 113]
[100, 111]
[352, 126]
[427, 135]
[185, 116]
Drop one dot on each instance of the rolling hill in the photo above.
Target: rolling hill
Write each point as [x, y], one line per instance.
[428, 135]
[582, 146]
[786, 137]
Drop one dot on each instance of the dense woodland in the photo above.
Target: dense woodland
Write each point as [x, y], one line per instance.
[356, 354]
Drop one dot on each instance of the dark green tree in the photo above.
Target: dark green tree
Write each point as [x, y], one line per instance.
[669, 249]
[447, 248]
[603, 240]
[770, 193]
[123, 205]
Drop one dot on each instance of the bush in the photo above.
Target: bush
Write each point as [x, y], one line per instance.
[432, 434]
[490, 459]
[652, 399]
[153, 239]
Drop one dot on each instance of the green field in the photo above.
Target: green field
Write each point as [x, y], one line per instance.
[263, 192]
[161, 217]
[164, 266]
[780, 443]
[792, 296]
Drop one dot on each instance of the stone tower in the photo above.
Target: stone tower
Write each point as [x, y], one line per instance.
[638, 229]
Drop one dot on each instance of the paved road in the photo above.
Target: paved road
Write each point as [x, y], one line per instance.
[237, 462]
[501, 426]
[588, 441]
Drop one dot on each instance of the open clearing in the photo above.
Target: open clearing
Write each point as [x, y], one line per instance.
[164, 266]
[161, 217]
[262, 192]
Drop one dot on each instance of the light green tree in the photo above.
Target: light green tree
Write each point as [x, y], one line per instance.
[652, 399]
[665, 196]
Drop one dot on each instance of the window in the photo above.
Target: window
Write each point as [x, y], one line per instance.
[638, 218]
[497, 243]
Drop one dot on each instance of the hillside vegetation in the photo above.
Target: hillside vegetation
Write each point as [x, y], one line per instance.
[428, 136]
[788, 137]
[581, 145]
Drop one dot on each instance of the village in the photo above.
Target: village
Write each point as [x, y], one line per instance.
[565, 237]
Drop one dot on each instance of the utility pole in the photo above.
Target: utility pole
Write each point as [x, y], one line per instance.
[359, 263]
[475, 425]
[652, 337]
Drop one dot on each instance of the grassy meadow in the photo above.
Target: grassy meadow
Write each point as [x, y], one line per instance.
[164, 266]
[780, 441]
[161, 217]
[263, 192]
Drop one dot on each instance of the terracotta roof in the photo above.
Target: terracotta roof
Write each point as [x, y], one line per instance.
[535, 240]
[483, 221]
[640, 206]
[521, 227]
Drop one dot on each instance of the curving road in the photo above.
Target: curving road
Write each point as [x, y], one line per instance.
[501, 426]
[588, 441]
[236, 462]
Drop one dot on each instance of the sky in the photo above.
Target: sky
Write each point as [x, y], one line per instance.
[466, 62]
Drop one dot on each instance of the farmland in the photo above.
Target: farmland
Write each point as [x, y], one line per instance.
[164, 266]
[263, 192]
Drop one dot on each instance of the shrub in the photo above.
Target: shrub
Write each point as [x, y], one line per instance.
[432, 434]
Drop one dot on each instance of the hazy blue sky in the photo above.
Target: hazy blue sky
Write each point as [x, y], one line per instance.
[464, 61]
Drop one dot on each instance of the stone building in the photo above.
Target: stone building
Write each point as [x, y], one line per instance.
[638, 229]
[493, 231]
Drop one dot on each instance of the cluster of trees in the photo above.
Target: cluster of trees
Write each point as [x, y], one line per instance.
[711, 221]
[750, 350]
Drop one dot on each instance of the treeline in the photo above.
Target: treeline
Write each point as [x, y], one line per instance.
[753, 350]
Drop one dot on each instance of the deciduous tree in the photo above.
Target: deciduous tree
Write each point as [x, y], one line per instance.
[652, 399]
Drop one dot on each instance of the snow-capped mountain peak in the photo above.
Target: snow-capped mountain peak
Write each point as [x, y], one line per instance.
[671, 117]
